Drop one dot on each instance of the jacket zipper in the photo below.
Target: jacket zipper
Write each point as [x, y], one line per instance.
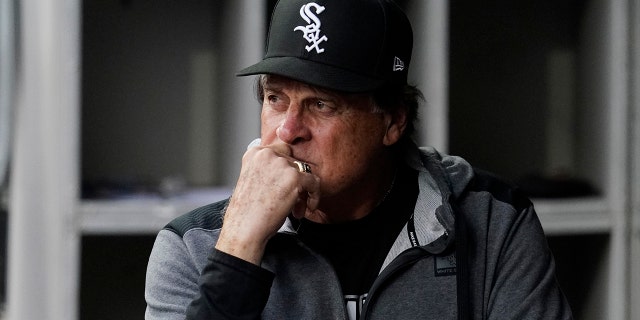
[405, 259]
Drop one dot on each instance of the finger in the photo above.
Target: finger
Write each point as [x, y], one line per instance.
[309, 195]
[300, 207]
[284, 151]
[303, 167]
[281, 149]
[311, 184]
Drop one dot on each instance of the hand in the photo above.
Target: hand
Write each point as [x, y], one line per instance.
[269, 188]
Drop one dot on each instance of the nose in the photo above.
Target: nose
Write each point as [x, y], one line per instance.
[293, 128]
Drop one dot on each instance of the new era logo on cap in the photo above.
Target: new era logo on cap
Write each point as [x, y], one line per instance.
[311, 32]
[398, 64]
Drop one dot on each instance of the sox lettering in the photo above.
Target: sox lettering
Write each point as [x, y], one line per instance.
[311, 32]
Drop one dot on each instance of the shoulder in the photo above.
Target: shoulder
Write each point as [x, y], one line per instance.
[464, 181]
[498, 188]
[208, 217]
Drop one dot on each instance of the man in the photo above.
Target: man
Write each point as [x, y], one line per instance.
[336, 213]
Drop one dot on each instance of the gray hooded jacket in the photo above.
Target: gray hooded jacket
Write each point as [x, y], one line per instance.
[482, 254]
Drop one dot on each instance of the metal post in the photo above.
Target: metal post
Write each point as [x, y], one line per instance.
[43, 233]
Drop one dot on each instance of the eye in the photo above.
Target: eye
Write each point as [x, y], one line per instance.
[322, 106]
[275, 101]
[271, 98]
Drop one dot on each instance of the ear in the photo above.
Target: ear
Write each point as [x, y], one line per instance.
[396, 124]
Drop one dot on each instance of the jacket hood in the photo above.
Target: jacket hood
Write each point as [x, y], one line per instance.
[441, 178]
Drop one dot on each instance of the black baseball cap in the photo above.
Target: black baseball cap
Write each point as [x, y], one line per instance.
[344, 45]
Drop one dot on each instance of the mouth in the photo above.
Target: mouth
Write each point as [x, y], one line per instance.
[301, 159]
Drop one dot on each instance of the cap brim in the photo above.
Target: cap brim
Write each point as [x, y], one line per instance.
[313, 73]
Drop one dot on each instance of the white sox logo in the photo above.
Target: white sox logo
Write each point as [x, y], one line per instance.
[311, 32]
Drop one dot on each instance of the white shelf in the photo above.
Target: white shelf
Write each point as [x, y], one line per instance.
[573, 216]
[142, 214]
[148, 214]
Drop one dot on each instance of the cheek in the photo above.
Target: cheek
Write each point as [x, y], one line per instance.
[367, 132]
[269, 123]
[357, 143]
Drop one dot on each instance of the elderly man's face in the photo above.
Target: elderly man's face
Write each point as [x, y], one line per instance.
[339, 135]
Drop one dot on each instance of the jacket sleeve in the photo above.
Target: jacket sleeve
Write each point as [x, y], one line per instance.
[230, 288]
[171, 279]
[511, 269]
[524, 284]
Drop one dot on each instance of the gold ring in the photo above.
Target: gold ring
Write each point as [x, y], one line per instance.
[302, 166]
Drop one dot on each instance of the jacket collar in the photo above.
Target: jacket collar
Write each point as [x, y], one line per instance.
[441, 180]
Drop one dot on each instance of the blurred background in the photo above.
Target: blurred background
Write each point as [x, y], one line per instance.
[118, 115]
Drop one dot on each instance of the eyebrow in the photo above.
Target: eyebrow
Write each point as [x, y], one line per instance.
[271, 86]
[321, 93]
[276, 84]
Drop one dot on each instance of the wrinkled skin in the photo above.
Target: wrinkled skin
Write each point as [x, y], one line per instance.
[344, 141]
